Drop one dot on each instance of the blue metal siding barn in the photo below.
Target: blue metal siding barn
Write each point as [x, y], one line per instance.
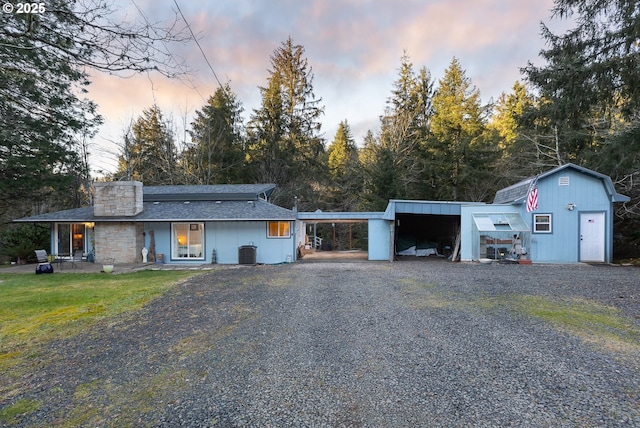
[573, 221]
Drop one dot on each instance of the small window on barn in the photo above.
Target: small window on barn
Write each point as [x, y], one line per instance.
[278, 229]
[542, 223]
[563, 181]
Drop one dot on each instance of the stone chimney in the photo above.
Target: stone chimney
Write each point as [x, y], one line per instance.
[117, 199]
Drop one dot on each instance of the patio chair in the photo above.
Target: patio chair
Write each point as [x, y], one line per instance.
[78, 257]
[44, 266]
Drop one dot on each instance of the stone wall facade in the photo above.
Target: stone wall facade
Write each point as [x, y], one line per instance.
[119, 242]
[117, 199]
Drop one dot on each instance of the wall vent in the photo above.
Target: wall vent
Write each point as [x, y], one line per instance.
[563, 181]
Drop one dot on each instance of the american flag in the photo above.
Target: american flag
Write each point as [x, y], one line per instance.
[532, 200]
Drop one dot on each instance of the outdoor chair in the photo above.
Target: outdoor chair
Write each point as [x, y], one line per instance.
[44, 266]
[42, 256]
[78, 257]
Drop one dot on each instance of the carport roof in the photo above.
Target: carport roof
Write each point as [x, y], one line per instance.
[400, 206]
[338, 217]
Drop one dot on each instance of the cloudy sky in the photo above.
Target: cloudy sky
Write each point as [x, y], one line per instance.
[353, 46]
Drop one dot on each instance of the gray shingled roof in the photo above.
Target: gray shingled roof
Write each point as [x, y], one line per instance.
[178, 211]
[215, 192]
[514, 193]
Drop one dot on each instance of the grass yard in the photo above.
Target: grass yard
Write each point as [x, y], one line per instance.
[602, 325]
[38, 309]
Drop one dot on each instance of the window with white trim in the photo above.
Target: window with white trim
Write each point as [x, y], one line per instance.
[278, 229]
[187, 241]
[542, 223]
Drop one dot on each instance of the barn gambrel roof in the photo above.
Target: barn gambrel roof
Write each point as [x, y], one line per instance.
[517, 193]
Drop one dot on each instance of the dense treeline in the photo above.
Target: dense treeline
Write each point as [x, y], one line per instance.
[436, 139]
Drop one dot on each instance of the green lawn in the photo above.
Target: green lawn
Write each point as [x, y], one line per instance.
[37, 309]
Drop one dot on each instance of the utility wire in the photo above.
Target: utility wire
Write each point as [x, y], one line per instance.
[198, 44]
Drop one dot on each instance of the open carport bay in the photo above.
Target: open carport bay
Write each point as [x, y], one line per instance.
[354, 344]
[425, 235]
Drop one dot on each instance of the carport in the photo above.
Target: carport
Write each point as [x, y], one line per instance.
[424, 228]
[378, 229]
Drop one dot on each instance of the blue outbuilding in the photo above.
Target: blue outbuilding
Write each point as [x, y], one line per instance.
[571, 221]
[573, 218]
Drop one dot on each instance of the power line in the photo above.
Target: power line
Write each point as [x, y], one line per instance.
[198, 44]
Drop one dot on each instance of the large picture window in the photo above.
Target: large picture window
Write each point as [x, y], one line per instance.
[279, 229]
[187, 241]
[542, 223]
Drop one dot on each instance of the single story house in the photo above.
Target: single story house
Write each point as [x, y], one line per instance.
[571, 221]
[226, 224]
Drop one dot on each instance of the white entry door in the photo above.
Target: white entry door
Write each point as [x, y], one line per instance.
[592, 230]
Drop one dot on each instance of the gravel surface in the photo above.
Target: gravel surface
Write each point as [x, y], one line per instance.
[405, 344]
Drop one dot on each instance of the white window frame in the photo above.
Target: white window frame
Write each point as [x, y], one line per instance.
[283, 232]
[538, 223]
[183, 250]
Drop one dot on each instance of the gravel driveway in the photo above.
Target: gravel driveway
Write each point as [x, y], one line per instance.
[353, 344]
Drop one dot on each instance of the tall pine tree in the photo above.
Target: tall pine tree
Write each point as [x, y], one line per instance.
[216, 152]
[344, 170]
[287, 126]
[458, 150]
[149, 151]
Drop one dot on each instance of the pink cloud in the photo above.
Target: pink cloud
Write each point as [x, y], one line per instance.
[353, 46]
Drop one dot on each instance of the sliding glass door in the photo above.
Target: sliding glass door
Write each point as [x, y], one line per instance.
[70, 238]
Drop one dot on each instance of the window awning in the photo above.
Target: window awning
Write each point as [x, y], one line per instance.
[500, 222]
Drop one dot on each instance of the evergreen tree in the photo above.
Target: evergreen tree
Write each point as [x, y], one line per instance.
[379, 172]
[345, 171]
[397, 166]
[42, 113]
[268, 159]
[287, 125]
[460, 154]
[216, 154]
[515, 134]
[149, 152]
[45, 119]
